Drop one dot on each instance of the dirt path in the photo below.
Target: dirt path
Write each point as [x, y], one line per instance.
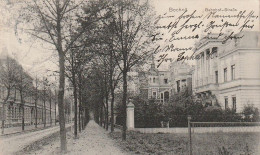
[92, 141]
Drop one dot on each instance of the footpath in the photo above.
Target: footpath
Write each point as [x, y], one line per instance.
[93, 140]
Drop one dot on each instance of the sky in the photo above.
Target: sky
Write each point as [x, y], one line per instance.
[37, 59]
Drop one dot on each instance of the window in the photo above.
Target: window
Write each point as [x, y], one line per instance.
[165, 81]
[216, 76]
[234, 103]
[226, 102]
[161, 100]
[215, 51]
[166, 96]
[154, 94]
[207, 54]
[178, 86]
[153, 80]
[225, 74]
[14, 112]
[233, 72]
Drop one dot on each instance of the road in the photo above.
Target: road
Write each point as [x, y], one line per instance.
[14, 130]
[12, 144]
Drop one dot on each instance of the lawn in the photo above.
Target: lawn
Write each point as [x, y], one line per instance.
[203, 144]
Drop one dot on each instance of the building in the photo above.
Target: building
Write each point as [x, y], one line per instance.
[12, 110]
[155, 84]
[228, 73]
[181, 76]
[160, 85]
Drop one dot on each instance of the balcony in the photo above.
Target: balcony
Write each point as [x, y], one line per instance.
[206, 84]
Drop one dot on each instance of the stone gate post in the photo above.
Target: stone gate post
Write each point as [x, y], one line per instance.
[130, 119]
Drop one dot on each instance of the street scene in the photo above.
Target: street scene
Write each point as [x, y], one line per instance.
[112, 77]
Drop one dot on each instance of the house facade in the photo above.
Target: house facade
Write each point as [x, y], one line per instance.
[161, 85]
[228, 73]
[11, 108]
[155, 84]
[181, 76]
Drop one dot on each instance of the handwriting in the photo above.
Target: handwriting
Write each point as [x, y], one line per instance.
[177, 27]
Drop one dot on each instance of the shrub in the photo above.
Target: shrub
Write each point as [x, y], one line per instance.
[148, 113]
[231, 116]
[250, 113]
[213, 114]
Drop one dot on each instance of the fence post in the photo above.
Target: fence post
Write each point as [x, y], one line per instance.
[130, 119]
[189, 130]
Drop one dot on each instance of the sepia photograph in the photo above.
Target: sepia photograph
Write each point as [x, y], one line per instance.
[126, 77]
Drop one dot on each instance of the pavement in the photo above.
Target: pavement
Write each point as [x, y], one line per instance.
[93, 140]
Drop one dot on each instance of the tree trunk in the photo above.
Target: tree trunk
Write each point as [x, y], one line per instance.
[104, 118]
[82, 119]
[101, 115]
[3, 110]
[75, 106]
[42, 115]
[55, 103]
[23, 117]
[60, 101]
[79, 117]
[61, 82]
[107, 112]
[36, 113]
[44, 105]
[36, 98]
[106, 105]
[124, 104]
[79, 114]
[3, 118]
[80, 101]
[111, 69]
[112, 110]
[50, 111]
[22, 103]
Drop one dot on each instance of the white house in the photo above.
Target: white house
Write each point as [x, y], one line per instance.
[229, 72]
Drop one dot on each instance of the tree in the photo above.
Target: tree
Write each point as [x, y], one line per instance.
[35, 93]
[77, 59]
[52, 22]
[131, 24]
[107, 52]
[50, 95]
[104, 87]
[44, 96]
[8, 78]
[24, 86]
